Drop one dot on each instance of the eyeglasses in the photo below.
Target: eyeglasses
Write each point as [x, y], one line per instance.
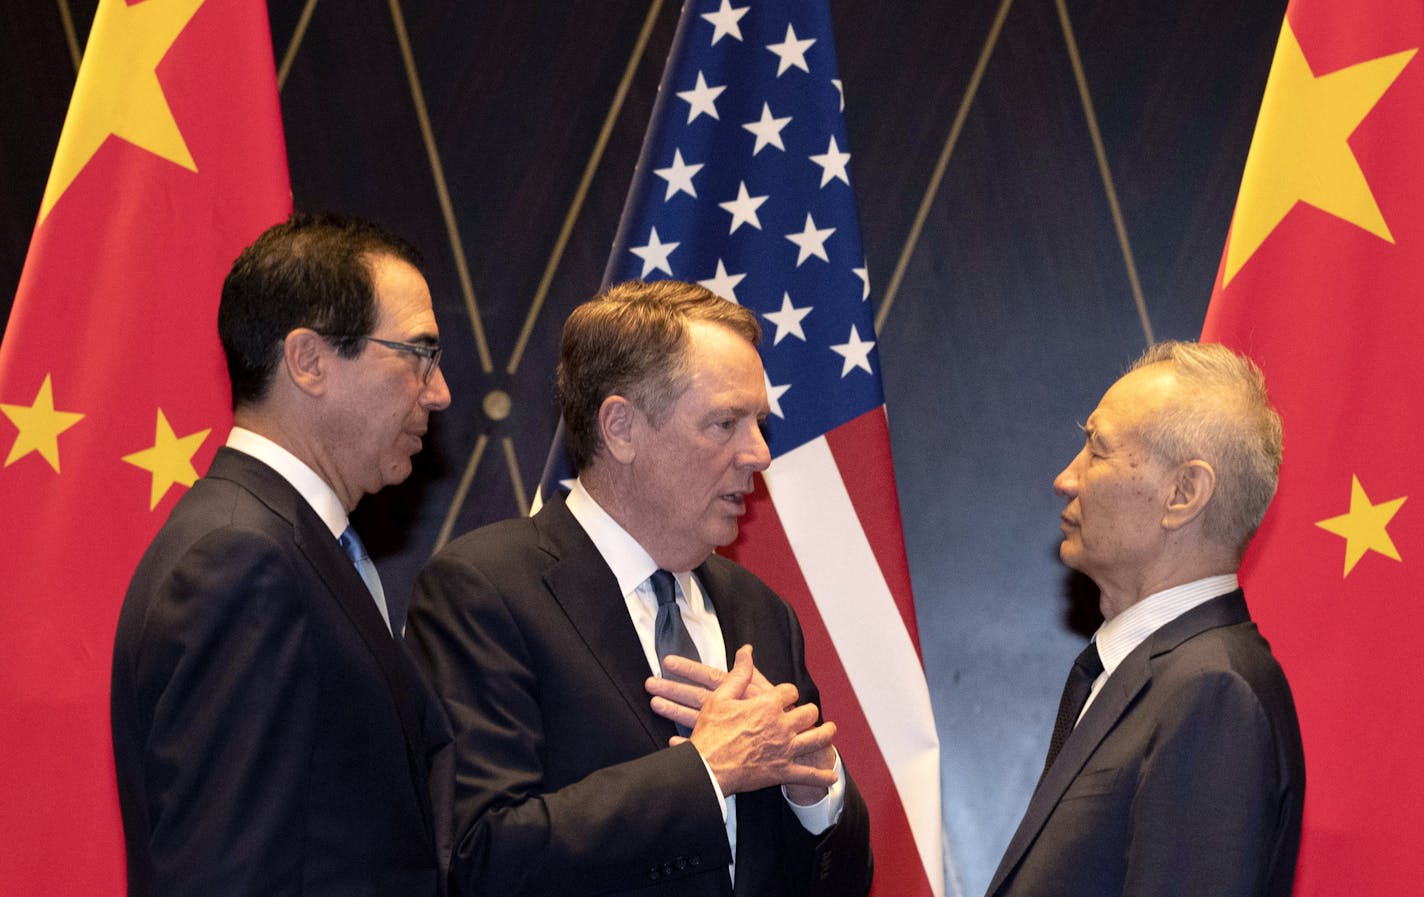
[429, 355]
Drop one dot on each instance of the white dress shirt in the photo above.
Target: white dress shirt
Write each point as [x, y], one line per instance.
[1118, 637]
[312, 488]
[632, 566]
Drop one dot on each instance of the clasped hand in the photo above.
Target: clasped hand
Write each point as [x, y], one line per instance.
[749, 731]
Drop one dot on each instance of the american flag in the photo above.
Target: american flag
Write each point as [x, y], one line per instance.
[744, 185]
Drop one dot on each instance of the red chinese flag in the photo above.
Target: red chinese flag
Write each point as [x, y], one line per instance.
[113, 391]
[1322, 283]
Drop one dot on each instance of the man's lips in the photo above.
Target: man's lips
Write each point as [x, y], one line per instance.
[737, 498]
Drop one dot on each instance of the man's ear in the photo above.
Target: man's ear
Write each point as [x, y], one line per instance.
[617, 421]
[1193, 484]
[306, 357]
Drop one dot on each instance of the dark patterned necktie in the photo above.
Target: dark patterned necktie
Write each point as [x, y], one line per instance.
[670, 635]
[1086, 668]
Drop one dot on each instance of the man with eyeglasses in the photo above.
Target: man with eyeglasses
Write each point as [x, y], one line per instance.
[271, 733]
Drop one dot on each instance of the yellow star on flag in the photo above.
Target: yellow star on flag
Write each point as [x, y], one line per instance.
[117, 91]
[40, 426]
[1364, 527]
[1301, 151]
[170, 460]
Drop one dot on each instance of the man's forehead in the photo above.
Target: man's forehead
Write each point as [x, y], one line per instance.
[1133, 398]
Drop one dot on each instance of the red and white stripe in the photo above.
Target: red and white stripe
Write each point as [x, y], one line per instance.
[826, 536]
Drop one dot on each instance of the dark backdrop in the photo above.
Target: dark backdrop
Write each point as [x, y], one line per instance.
[1042, 185]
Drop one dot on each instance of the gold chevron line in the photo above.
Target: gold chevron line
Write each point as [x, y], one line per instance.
[298, 34]
[576, 207]
[556, 255]
[463, 489]
[66, 19]
[1118, 224]
[437, 171]
[932, 188]
[520, 497]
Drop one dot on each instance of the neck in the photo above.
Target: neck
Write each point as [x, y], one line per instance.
[616, 499]
[301, 442]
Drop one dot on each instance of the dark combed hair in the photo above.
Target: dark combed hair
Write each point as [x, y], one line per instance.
[631, 340]
[313, 271]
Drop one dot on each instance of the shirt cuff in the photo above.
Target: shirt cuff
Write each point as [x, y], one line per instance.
[826, 812]
[721, 798]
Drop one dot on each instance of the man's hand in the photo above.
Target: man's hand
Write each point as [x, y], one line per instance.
[750, 732]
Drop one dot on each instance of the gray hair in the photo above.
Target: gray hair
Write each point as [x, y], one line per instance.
[1221, 414]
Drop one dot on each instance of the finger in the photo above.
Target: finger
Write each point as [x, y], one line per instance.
[786, 693]
[811, 740]
[802, 774]
[677, 692]
[710, 676]
[684, 716]
[700, 673]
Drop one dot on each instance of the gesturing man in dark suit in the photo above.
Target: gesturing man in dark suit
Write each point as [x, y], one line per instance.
[541, 633]
[271, 735]
[1184, 774]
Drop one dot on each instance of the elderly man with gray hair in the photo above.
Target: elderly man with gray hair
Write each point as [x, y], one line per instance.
[1175, 765]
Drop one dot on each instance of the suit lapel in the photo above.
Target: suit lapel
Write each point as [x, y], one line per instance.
[422, 723]
[1118, 693]
[583, 584]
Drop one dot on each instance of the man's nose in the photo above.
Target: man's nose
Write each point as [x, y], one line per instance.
[1066, 483]
[757, 454]
[436, 394]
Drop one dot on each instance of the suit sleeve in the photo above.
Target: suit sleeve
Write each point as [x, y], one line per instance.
[837, 862]
[651, 817]
[1208, 801]
[225, 665]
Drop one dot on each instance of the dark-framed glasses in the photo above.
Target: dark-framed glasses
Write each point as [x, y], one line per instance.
[429, 355]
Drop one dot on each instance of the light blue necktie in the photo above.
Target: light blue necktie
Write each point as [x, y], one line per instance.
[356, 551]
[670, 635]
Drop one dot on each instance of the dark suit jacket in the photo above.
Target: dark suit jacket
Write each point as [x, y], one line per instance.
[565, 784]
[1185, 776]
[270, 736]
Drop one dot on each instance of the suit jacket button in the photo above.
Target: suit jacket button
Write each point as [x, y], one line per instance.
[654, 874]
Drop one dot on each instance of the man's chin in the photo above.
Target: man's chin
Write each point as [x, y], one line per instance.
[396, 473]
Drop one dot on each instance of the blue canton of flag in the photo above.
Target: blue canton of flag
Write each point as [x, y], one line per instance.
[744, 186]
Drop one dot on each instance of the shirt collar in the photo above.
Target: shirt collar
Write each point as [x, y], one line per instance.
[302, 478]
[1118, 637]
[629, 561]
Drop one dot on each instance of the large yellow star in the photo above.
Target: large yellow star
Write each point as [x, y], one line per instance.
[118, 91]
[1364, 526]
[1301, 153]
[170, 460]
[40, 426]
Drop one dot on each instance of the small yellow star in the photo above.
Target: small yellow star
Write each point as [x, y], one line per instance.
[1364, 526]
[40, 426]
[170, 460]
[117, 91]
[1301, 151]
